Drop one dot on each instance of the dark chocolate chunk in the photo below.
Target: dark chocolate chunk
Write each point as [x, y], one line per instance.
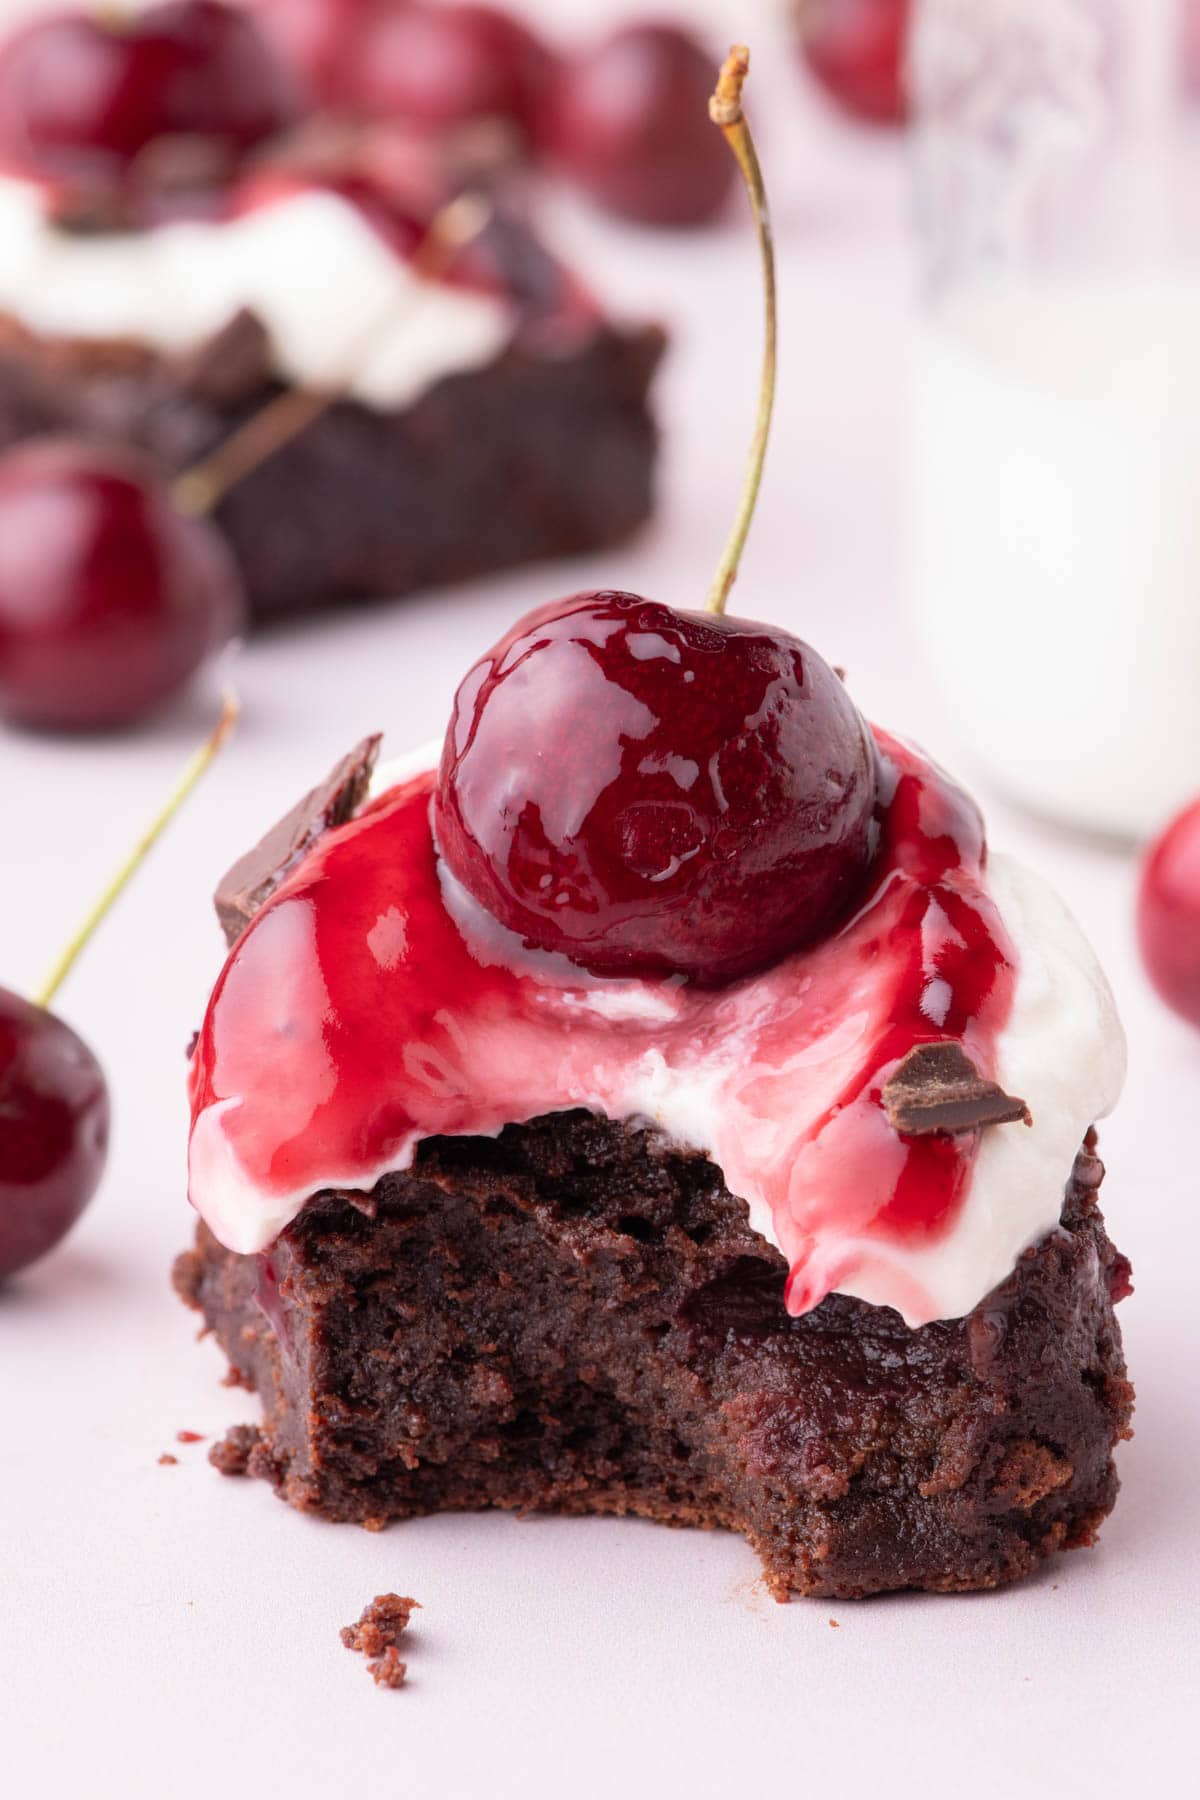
[938, 1088]
[252, 880]
[229, 367]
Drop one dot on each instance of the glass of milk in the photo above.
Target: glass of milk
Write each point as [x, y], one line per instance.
[1057, 396]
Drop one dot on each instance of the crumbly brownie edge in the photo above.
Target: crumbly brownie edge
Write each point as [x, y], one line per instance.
[574, 1318]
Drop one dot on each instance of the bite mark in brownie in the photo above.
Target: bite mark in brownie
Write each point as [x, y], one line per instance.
[577, 1317]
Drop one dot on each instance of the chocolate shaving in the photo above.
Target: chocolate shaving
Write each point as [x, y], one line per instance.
[252, 880]
[938, 1088]
[229, 367]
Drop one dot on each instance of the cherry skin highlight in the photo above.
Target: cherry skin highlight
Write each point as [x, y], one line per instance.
[1168, 914]
[656, 792]
[628, 121]
[82, 95]
[855, 48]
[440, 66]
[110, 597]
[53, 1130]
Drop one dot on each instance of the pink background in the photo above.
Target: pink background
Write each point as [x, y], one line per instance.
[161, 1628]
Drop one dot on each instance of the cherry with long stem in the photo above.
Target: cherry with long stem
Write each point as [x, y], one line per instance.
[54, 1105]
[732, 827]
[197, 765]
[725, 111]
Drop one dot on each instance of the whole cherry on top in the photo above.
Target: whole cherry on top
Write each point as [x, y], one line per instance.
[650, 791]
[1168, 913]
[54, 1104]
[84, 94]
[856, 50]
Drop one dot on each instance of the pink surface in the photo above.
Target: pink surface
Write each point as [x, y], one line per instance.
[165, 1630]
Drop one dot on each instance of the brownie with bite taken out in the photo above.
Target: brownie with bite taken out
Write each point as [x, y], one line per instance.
[489, 1251]
[666, 1105]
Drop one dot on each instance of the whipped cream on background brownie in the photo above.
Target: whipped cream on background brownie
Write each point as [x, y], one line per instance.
[307, 261]
[371, 1003]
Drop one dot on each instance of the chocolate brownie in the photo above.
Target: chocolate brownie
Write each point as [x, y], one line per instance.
[536, 455]
[575, 1317]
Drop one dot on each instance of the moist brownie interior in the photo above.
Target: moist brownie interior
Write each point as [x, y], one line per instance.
[575, 1317]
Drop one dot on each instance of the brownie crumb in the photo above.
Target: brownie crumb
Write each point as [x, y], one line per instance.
[189, 1437]
[388, 1670]
[377, 1633]
[381, 1624]
[167, 1458]
[231, 1454]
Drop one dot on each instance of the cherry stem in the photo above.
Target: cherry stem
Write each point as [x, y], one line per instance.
[203, 486]
[195, 768]
[725, 110]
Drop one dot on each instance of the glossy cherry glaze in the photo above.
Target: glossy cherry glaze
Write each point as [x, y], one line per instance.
[356, 1016]
[110, 598]
[439, 66]
[856, 50]
[82, 95]
[1168, 914]
[628, 121]
[53, 1130]
[656, 792]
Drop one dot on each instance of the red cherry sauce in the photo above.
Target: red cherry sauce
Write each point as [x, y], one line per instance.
[355, 1017]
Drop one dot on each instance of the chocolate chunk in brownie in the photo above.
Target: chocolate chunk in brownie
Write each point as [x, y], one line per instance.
[254, 877]
[938, 1088]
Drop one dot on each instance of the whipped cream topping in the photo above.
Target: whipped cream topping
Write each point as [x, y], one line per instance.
[366, 1008]
[309, 264]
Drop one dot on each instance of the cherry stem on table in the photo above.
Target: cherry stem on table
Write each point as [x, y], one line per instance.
[725, 110]
[203, 486]
[195, 768]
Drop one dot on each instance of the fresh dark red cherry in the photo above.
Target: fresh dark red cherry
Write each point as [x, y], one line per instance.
[53, 1130]
[856, 50]
[628, 121]
[657, 792]
[110, 597]
[312, 37]
[438, 66]
[83, 94]
[1168, 914]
